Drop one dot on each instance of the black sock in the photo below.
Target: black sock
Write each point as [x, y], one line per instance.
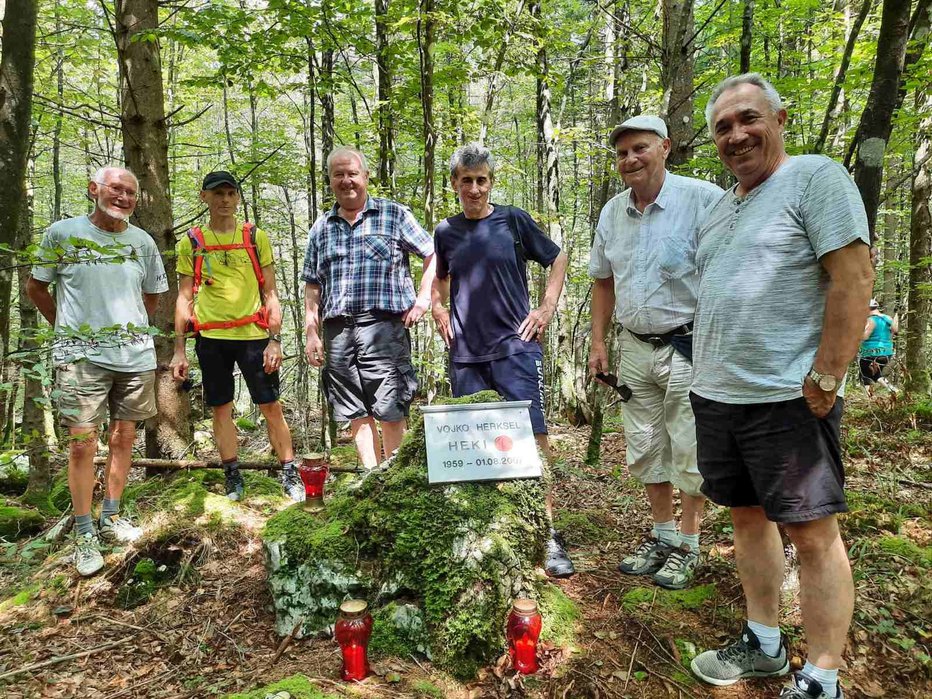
[231, 467]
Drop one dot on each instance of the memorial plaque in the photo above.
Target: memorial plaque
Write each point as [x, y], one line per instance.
[480, 442]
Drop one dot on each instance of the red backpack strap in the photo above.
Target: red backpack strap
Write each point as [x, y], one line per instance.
[196, 236]
[249, 242]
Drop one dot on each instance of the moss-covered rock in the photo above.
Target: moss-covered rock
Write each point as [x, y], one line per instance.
[399, 630]
[17, 522]
[296, 687]
[463, 551]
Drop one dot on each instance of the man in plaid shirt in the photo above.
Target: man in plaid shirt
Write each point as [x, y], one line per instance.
[359, 302]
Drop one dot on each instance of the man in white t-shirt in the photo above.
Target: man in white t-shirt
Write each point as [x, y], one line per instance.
[785, 279]
[108, 275]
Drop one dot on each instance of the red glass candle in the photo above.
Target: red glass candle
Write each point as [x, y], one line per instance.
[352, 631]
[313, 471]
[524, 624]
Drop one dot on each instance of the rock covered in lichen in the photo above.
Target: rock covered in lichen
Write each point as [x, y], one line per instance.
[457, 553]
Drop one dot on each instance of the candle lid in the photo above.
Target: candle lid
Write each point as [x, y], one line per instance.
[354, 607]
[524, 606]
[312, 459]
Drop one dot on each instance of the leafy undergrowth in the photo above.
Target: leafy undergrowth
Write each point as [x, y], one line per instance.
[196, 621]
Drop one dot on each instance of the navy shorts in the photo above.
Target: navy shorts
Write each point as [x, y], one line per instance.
[872, 368]
[217, 358]
[515, 377]
[368, 368]
[778, 456]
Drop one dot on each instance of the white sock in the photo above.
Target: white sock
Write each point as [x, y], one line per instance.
[827, 678]
[769, 637]
[666, 532]
[691, 541]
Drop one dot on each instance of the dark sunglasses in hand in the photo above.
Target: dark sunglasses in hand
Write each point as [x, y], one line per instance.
[624, 393]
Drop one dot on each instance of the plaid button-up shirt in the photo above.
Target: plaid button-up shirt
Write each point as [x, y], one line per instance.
[364, 267]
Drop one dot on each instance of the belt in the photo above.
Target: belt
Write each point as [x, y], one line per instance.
[663, 339]
[350, 319]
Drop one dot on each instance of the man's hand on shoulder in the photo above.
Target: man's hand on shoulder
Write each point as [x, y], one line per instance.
[414, 314]
[820, 402]
[536, 322]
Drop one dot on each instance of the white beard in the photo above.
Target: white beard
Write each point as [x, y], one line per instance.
[113, 212]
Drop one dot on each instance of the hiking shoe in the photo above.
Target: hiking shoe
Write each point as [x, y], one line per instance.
[741, 659]
[234, 485]
[119, 529]
[87, 558]
[558, 563]
[293, 485]
[647, 558]
[678, 570]
[802, 687]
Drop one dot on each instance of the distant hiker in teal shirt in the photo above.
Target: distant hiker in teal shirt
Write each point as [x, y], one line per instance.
[877, 346]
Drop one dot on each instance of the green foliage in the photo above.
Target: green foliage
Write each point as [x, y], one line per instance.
[298, 686]
[145, 580]
[691, 598]
[906, 550]
[428, 690]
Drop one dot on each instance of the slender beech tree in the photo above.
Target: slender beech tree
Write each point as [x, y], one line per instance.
[145, 148]
[386, 127]
[676, 77]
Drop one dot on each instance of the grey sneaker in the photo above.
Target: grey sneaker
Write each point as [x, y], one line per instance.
[802, 687]
[87, 558]
[116, 528]
[293, 485]
[647, 558]
[678, 570]
[741, 659]
[235, 488]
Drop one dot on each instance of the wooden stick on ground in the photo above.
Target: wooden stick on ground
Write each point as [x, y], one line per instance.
[182, 465]
[62, 658]
[283, 646]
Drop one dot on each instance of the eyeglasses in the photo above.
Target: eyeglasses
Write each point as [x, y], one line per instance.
[119, 191]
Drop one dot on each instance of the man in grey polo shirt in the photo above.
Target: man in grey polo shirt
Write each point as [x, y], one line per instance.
[643, 262]
[785, 279]
[108, 275]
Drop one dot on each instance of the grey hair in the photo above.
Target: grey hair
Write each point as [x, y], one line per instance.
[100, 177]
[470, 156]
[770, 92]
[344, 151]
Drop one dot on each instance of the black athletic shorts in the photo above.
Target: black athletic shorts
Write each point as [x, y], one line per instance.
[778, 456]
[368, 369]
[217, 358]
[872, 368]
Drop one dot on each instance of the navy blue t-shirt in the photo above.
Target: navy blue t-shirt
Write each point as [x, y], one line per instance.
[488, 285]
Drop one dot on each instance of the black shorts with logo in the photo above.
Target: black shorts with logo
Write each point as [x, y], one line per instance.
[778, 456]
[368, 369]
[872, 368]
[217, 358]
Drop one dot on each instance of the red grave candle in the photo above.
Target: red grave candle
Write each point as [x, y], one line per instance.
[313, 471]
[352, 631]
[523, 630]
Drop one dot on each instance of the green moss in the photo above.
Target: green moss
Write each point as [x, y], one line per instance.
[904, 548]
[560, 614]
[146, 579]
[13, 481]
[24, 596]
[398, 630]
[310, 535]
[584, 527]
[17, 522]
[427, 689]
[344, 456]
[869, 513]
[298, 686]
[691, 598]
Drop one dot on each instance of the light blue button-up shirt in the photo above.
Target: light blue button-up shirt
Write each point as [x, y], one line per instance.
[652, 255]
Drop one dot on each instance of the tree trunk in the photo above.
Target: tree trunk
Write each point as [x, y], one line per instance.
[325, 93]
[310, 133]
[920, 255]
[877, 118]
[426, 23]
[747, 36]
[890, 255]
[494, 77]
[676, 77]
[386, 127]
[145, 148]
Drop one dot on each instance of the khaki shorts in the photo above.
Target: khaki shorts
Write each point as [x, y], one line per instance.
[660, 430]
[87, 392]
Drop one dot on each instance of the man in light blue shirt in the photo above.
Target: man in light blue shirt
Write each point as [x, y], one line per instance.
[643, 262]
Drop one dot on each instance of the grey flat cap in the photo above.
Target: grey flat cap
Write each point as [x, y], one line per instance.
[642, 122]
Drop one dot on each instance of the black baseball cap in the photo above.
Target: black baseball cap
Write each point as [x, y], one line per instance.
[214, 179]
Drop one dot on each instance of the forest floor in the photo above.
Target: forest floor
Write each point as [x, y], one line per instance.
[209, 633]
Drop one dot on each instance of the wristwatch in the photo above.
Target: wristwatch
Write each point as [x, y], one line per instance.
[276, 338]
[827, 382]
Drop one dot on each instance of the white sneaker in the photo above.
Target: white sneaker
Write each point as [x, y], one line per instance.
[87, 557]
[119, 529]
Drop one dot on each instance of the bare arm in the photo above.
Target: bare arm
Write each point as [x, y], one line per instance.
[151, 302]
[313, 346]
[439, 295]
[895, 328]
[270, 300]
[184, 309]
[422, 303]
[868, 329]
[538, 319]
[40, 295]
[849, 291]
[603, 304]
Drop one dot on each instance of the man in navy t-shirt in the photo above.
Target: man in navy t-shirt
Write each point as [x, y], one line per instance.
[491, 331]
